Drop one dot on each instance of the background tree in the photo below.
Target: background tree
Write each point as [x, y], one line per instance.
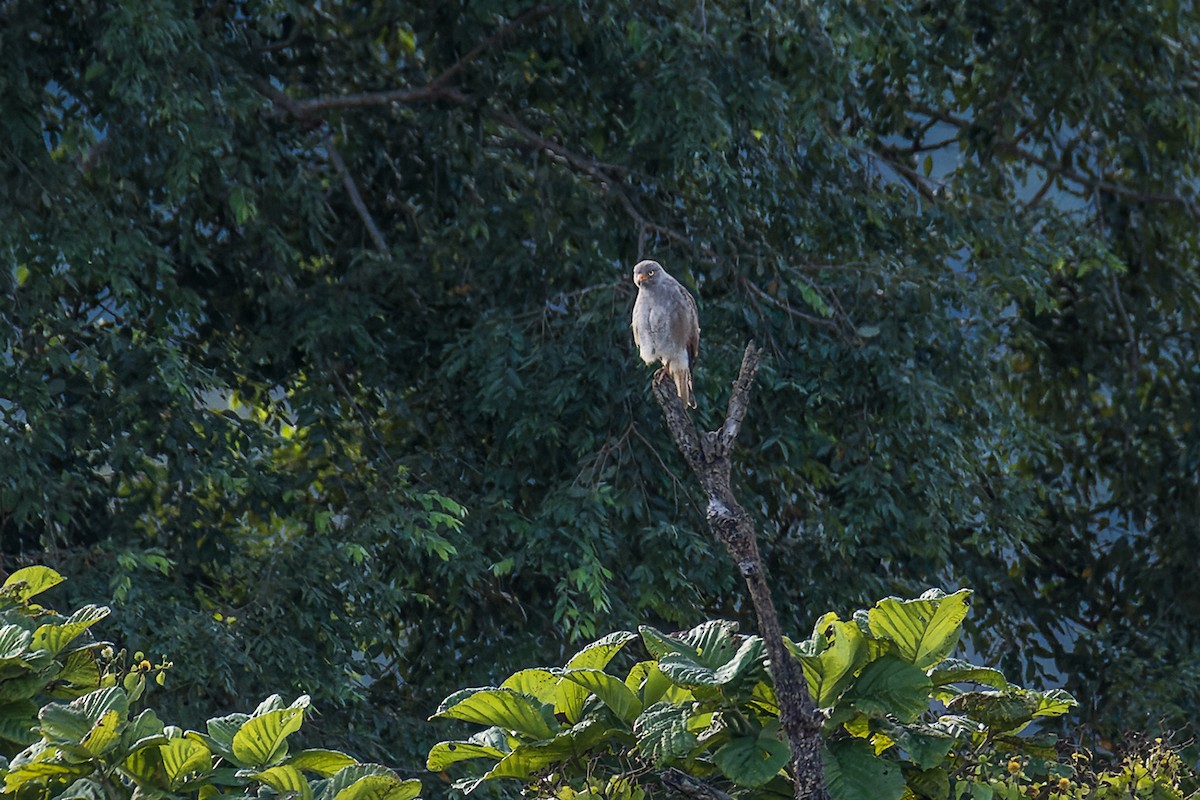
[289, 289]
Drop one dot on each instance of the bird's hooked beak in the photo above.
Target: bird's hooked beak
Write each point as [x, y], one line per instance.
[641, 278]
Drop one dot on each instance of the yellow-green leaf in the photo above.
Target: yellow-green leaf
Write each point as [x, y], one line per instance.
[444, 754]
[54, 637]
[321, 762]
[30, 581]
[501, 707]
[183, 759]
[104, 733]
[611, 691]
[924, 630]
[380, 787]
[262, 740]
[286, 780]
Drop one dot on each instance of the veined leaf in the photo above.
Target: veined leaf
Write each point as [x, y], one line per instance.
[443, 754]
[829, 670]
[662, 733]
[647, 681]
[262, 740]
[285, 779]
[752, 760]
[183, 759]
[854, 772]
[660, 645]
[17, 720]
[369, 782]
[890, 686]
[597, 654]
[14, 641]
[538, 682]
[222, 730]
[321, 762]
[83, 789]
[924, 630]
[380, 787]
[611, 691]
[954, 670]
[53, 637]
[926, 745]
[503, 707]
[104, 734]
[30, 581]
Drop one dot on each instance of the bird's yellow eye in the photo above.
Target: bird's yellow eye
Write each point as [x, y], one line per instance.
[650, 273]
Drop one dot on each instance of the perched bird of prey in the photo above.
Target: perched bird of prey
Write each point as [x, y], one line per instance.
[666, 326]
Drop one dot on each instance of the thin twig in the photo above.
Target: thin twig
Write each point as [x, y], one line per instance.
[335, 157]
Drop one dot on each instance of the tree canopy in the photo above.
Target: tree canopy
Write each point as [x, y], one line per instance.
[315, 355]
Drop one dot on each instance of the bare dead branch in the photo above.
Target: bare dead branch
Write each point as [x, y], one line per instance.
[709, 456]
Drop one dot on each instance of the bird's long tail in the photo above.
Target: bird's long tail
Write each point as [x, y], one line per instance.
[683, 385]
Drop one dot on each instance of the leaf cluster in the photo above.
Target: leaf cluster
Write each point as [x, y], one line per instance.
[98, 746]
[900, 717]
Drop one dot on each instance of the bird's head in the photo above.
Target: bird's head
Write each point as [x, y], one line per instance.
[645, 271]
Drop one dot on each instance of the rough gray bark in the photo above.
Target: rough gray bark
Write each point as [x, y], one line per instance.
[709, 456]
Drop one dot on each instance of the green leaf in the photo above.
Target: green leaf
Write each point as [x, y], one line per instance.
[443, 754]
[830, 659]
[241, 200]
[30, 581]
[221, 731]
[611, 691]
[660, 645]
[183, 759]
[954, 670]
[572, 743]
[933, 782]
[854, 772]
[662, 733]
[597, 654]
[84, 789]
[71, 723]
[285, 779]
[262, 740]
[539, 683]
[321, 762]
[648, 682]
[925, 630]
[925, 745]
[14, 642]
[80, 674]
[503, 707]
[752, 760]
[104, 734]
[1054, 703]
[380, 787]
[17, 720]
[1002, 712]
[38, 771]
[890, 686]
[54, 637]
[711, 655]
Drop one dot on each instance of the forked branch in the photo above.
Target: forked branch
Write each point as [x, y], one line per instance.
[709, 454]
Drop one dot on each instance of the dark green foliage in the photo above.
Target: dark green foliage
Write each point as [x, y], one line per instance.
[288, 290]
